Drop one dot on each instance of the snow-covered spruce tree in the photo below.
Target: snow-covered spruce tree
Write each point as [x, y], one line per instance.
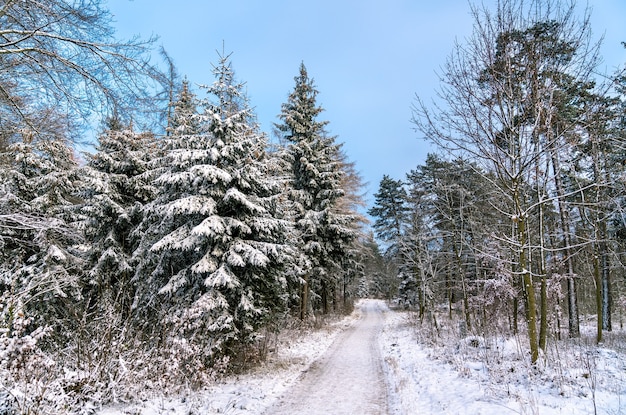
[40, 267]
[249, 253]
[323, 232]
[115, 192]
[177, 203]
[212, 247]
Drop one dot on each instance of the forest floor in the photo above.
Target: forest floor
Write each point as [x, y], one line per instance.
[379, 361]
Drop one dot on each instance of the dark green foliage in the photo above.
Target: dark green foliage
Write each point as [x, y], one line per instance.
[391, 212]
[212, 249]
[115, 193]
[40, 267]
[323, 230]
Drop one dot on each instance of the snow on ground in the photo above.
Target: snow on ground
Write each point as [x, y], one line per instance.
[254, 391]
[348, 379]
[478, 376]
[427, 372]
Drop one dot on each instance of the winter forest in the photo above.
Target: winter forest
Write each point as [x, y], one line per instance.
[189, 239]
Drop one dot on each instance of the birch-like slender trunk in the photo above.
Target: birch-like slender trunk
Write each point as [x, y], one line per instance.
[568, 257]
[600, 248]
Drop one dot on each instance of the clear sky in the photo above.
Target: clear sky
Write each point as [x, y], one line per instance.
[369, 58]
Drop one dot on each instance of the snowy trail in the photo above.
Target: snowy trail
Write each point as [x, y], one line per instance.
[348, 378]
[372, 362]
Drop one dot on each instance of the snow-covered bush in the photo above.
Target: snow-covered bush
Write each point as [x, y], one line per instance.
[28, 381]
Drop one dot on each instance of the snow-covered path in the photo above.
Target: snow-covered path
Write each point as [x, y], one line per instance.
[348, 378]
[372, 362]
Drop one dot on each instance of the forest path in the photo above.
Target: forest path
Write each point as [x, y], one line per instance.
[348, 378]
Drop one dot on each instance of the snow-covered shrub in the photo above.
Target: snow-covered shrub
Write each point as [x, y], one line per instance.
[28, 379]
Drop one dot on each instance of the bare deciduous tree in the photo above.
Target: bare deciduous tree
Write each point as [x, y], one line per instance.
[62, 54]
[509, 104]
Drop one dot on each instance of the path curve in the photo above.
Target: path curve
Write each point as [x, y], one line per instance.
[348, 378]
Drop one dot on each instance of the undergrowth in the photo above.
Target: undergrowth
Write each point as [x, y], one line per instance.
[497, 357]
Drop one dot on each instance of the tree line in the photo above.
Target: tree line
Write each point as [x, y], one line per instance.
[521, 212]
[183, 241]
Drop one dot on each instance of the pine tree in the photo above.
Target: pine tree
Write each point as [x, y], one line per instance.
[390, 211]
[323, 232]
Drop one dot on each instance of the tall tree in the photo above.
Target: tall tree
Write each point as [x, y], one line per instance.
[40, 265]
[502, 96]
[598, 161]
[212, 243]
[249, 254]
[393, 222]
[316, 175]
[115, 194]
[390, 211]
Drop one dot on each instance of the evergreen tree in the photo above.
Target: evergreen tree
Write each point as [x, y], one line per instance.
[180, 174]
[390, 211]
[185, 119]
[323, 232]
[392, 214]
[250, 251]
[115, 194]
[40, 265]
[213, 248]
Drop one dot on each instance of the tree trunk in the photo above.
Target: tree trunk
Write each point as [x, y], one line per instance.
[602, 180]
[572, 301]
[606, 291]
[515, 308]
[304, 298]
[422, 292]
[543, 324]
[599, 302]
[466, 303]
[602, 275]
[529, 289]
[458, 252]
[572, 307]
[449, 292]
[325, 296]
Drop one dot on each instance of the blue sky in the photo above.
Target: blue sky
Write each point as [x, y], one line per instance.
[369, 58]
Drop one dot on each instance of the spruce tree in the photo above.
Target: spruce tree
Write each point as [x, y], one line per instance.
[115, 193]
[390, 212]
[165, 248]
[212, 246]
[40, 265]
[248, 254]
[323, 232]
[392, 222]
